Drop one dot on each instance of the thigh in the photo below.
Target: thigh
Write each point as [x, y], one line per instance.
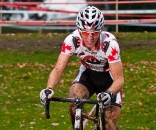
[78, 90]
[112, 114]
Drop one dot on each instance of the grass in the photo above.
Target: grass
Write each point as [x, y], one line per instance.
[139, 89]
[23, 75]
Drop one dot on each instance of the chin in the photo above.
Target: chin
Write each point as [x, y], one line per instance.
[90, 47]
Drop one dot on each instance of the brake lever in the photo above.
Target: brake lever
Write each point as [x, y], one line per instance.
[47, 106]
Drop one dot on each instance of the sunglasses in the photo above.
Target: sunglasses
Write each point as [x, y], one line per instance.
[86, 33]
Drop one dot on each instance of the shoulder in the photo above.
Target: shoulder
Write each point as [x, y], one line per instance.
[108, 40]
[107, 36]
[73, 34]
[74, 39]
[71, 42]
[113, 50]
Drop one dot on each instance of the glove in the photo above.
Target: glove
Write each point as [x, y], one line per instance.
[105, 97]
[46, 93]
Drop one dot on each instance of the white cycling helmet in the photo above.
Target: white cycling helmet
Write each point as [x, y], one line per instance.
[90, 18]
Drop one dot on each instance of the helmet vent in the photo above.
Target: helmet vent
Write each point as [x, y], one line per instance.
[93, 16]
[86, 16]
[94, 11]
[83, 23]
[98, 16]
[96, 23]
[101, 20]
[87, 11]
[81, 14]
[89, 24]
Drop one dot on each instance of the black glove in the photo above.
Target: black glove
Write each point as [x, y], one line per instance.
[105, 97]
[46, 93]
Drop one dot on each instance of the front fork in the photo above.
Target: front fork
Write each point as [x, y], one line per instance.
[78, 115]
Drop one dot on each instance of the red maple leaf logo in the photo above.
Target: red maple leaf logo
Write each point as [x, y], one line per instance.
[65, 47]
[114, 51]
[112, 57]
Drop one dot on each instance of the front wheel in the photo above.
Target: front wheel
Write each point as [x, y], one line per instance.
[96, 127]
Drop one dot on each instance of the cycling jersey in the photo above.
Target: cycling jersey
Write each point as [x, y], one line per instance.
[106, 51]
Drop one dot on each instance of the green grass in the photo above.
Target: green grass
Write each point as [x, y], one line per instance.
[135, 36]
[24, 74]
[139, 90]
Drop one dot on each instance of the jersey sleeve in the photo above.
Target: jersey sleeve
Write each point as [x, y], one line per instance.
[67, 46]
[113, 52]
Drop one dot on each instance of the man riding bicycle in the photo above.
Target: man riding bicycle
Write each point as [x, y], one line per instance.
[100, 71]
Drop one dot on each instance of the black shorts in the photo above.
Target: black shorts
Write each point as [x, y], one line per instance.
[95, 82]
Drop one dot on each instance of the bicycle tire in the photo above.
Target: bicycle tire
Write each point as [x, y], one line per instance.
[96, 127]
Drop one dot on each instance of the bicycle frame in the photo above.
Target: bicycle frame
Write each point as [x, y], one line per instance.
[78, 116]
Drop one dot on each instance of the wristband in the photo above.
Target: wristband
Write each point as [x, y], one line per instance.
[111, 94]
[50, 87]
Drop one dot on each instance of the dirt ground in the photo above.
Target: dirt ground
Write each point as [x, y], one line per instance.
[48, 44]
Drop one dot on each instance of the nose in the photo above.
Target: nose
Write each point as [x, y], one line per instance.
[91, 36]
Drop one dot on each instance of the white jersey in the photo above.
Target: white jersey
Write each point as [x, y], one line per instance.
[106, 51]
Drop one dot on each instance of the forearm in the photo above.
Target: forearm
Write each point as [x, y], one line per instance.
[116, 86]
[54, 78]
[118, 78]
[56, 73]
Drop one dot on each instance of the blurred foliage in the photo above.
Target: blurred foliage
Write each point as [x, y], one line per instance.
[122, 28]
[133, 6]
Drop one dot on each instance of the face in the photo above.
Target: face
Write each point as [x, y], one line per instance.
[90, 37]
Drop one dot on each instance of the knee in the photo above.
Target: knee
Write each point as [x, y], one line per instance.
[78, 90]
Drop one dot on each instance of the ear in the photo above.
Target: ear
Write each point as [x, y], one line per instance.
[102, 29]
[79, 31]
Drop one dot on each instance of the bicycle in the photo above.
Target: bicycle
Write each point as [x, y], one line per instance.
[98, 120]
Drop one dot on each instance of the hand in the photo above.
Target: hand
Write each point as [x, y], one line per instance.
[105, 97]
[46, 93]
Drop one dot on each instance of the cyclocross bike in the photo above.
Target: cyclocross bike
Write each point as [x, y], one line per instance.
[96, 114]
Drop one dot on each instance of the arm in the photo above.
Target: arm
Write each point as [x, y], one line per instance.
[56, 73]
[116, 71]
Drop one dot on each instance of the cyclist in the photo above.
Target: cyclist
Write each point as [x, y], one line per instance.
[101, 69]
